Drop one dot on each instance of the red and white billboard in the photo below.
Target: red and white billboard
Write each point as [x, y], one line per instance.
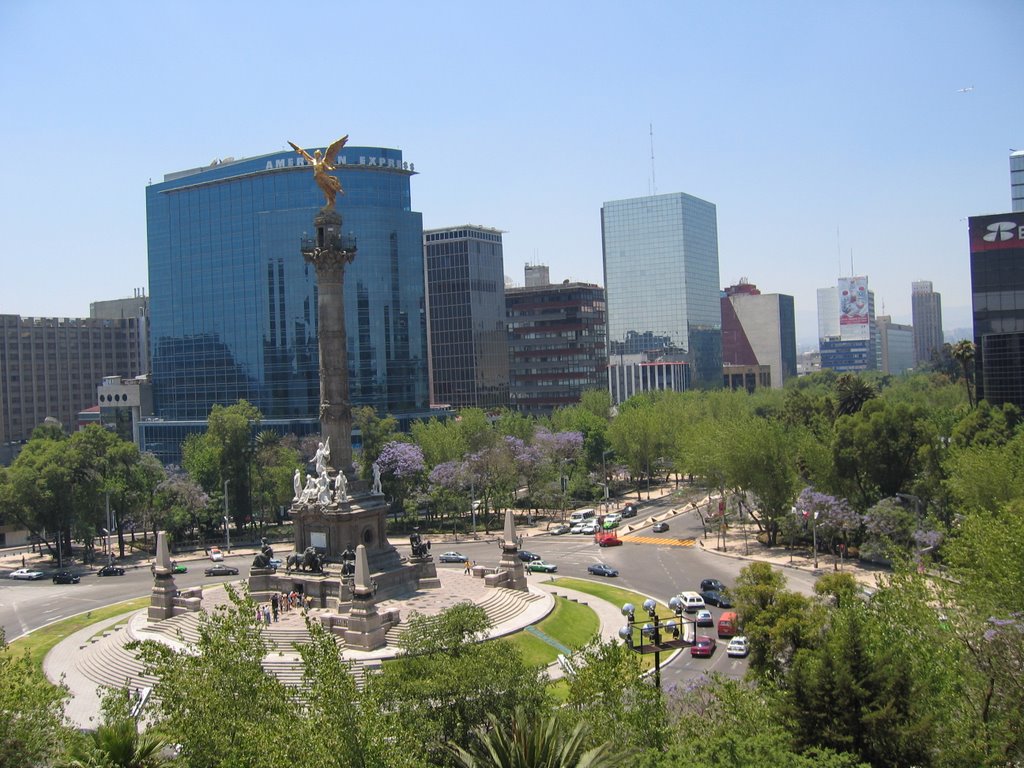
[854, 315]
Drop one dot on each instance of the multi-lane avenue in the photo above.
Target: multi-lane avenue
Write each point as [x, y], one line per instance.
[658, 565]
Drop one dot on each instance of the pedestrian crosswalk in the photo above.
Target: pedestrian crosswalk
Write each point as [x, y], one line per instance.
[663, 540]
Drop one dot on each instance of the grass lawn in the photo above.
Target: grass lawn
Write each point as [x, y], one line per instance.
[618, 596]
[38, 643]
[571, 624]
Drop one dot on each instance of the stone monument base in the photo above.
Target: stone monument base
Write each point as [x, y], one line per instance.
[161, 600]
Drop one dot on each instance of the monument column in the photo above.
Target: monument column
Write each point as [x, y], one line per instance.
[330, 252]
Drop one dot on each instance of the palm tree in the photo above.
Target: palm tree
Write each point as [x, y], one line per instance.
[118, 745]
[963, 352]
[536, 741]
[852, 392]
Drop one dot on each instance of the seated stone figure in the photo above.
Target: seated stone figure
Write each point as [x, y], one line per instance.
[264, 556]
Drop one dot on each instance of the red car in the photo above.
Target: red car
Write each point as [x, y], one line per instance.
[607, 539]
[704, 646]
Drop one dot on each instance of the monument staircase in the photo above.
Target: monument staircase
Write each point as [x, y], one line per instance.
[500, 605]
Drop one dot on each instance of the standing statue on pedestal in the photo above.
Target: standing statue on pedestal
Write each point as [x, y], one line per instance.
[321, 165]
[297, 483]
[376, 491]
[322, 456]
[341, 487]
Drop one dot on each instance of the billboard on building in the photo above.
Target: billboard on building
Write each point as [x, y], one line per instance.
[996, 233]
[854, 317]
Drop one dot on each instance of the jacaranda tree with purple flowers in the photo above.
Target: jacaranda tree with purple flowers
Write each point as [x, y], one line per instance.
[401, 470]
[833, 517]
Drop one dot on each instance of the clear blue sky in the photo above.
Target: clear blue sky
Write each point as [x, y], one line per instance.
[797, 119]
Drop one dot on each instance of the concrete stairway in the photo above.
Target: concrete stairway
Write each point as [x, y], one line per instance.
[500, 605]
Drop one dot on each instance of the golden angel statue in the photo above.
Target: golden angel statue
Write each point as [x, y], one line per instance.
[321, 165]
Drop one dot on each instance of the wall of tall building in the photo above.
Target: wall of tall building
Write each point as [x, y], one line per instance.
[51, 366]
[120, 309]
[926, 306]
[1017, 181]
[557, 344]
[896, 345]
[466, 317]
[628, 376]
[233, 302]
[760, 329]
[997, 288]
[661, 281]
[847, 314]
[828, 313]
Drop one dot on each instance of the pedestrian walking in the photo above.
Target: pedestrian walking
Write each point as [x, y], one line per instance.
[266, 615]
[466, 572]
[273, 605]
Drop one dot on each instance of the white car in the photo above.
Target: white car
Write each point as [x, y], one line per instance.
[738, 647]
[589, 528]
[704, 618]
[578, 528]
[27, 573]
[216, 555]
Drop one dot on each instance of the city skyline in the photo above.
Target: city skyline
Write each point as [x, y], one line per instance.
[831, 141]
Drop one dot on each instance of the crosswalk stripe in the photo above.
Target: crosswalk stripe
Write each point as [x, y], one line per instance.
[660, 540]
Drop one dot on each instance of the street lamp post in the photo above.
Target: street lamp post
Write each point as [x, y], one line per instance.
[227, 517]
[110, 553]
[663, 637]
[814, 536]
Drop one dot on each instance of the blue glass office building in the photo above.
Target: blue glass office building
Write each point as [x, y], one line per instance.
[661, 279]
[233, 303]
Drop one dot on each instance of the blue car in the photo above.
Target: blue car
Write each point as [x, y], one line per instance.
[600, 569]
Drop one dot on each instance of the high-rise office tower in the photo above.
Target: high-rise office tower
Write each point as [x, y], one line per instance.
[997, 288]
[51, 366]
[1017, 181]
[233, 302]
[895, 345]
[557, 343]
[537, 275]
[759, 329]
[661, 282]
[122, 309]
[466, 317]
[926, 306]
[846, 314]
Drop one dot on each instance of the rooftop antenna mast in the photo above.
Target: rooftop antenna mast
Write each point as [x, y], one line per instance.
[654, 182]
[839, 254]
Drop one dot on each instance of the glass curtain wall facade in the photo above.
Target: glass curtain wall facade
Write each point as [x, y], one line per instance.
[997, 294]
[466, 309]
[233, 303]
[661, 279]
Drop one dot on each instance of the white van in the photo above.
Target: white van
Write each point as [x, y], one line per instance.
[692, 601]
[580, 515]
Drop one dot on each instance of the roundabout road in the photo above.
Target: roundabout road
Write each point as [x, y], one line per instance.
[29, 605]
[658, 565]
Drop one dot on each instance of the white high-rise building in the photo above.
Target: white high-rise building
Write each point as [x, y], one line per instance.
[1017, 180]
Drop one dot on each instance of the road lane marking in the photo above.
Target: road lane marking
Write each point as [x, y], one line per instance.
[660, 540]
